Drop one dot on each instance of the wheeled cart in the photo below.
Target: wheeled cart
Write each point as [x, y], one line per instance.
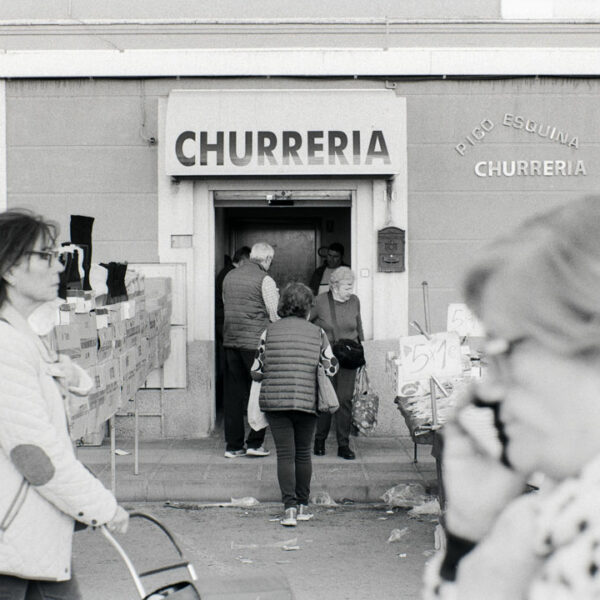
[263, 586]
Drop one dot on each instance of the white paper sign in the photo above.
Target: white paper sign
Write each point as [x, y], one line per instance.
[463, 321]
[421, 358]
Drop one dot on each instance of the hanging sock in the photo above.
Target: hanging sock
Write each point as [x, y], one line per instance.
[70, 278]
[81, 234]
[115, 282]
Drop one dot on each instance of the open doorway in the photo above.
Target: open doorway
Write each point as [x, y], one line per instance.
[296, 234]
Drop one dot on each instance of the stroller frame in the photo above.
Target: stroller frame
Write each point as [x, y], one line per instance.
[137, 577]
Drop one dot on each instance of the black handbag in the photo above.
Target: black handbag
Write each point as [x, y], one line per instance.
[349, 352]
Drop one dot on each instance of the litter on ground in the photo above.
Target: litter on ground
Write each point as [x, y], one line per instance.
[397, 534]
[405, 495]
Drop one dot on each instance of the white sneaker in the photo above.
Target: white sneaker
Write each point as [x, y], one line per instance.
[260, 451]
[289, 519]
[234, 453]
[303, 514]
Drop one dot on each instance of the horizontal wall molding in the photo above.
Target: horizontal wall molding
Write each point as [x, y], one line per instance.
[295, 62]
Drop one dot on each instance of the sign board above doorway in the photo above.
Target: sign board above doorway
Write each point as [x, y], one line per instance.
[285, 132]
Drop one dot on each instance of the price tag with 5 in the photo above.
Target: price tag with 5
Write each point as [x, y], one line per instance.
[439, 356]
[462, 320]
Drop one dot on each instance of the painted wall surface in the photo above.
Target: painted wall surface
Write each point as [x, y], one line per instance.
[81, 147]
[255, 9]
[453, 211]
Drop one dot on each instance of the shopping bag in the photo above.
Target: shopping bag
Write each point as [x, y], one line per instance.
[327, 401]
[365, 404]
[256, 417]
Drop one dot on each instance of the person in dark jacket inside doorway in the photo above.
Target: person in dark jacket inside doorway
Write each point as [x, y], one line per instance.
[250, 298]
[286, 363]
[347, 311]
[239, 258]
[319, 282]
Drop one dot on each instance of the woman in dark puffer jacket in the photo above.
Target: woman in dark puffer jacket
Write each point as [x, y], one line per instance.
[286, 363]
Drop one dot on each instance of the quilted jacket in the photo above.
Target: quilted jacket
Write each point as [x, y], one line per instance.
[43, 488]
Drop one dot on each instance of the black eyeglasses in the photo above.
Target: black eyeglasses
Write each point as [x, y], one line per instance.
[48, 255]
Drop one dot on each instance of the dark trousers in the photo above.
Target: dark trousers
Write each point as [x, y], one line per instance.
[235, 402]
[293, 432]
[15, 588]
[343, 383]
[219, 372]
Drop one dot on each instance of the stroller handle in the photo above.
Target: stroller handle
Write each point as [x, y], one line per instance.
[137, 577]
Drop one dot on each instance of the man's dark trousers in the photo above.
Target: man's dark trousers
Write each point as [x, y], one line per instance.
[237, 390]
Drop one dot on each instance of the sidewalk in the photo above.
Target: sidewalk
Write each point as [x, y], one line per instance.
[196, 471]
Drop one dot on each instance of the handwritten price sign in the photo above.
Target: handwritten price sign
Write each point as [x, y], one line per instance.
[462, 321]
[421, 358]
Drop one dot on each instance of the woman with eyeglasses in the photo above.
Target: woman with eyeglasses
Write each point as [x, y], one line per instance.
[538, 294]
[44, 489]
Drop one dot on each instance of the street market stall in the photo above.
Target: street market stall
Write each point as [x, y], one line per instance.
[429, 372]
[118, 345]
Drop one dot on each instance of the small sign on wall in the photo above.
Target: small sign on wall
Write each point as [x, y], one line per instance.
[390, 250]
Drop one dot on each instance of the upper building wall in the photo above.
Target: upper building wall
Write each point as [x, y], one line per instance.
[251, 9]
[58, 25]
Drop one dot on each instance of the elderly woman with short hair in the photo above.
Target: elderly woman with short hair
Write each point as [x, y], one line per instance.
[537, 292]
[286, 362]
[349, 325]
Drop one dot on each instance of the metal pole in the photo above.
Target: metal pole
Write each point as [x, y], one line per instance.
[425, 286]
[113, 462]
[161, 397]
[136, 436]
[432, 391]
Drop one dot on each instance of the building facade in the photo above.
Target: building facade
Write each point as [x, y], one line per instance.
[189, 133]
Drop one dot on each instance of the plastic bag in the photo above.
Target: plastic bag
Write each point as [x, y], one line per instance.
[324, 499]
[365, 404]
[397, 534]
[405, 495]
[429, 507]
[245, 502]
[256, 417]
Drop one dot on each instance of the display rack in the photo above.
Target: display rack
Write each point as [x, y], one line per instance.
[118, 345]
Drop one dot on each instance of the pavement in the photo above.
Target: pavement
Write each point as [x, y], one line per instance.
[195, 470]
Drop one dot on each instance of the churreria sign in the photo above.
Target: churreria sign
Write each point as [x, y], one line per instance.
[285, 132]
[283, 148]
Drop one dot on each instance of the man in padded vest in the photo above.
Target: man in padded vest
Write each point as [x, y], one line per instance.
[250, 298]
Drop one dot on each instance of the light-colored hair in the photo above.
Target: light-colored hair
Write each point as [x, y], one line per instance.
[543, 280]
[261, 252]
[341, 274]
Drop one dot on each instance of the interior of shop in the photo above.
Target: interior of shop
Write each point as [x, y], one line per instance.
[298, 234]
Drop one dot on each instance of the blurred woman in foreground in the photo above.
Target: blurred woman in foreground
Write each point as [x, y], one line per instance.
[538, 294]
[44, 489]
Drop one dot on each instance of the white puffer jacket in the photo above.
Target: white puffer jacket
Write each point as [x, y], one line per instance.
[43, 487]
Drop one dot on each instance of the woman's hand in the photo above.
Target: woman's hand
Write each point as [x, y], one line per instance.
[477, 486]
[71, 376]
[120, 521]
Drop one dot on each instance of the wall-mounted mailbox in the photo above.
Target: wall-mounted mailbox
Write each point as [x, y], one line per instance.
[390, 250]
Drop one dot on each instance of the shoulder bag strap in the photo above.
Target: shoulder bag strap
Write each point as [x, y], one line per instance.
[333, 316]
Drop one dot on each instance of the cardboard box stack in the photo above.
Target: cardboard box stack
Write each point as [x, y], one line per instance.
[118, 345]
